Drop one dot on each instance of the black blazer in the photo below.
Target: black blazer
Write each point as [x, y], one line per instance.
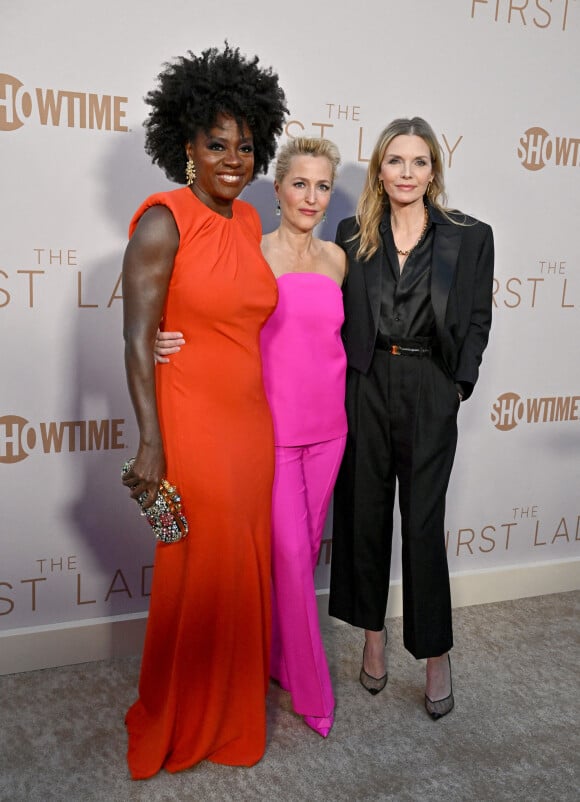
[461, 294]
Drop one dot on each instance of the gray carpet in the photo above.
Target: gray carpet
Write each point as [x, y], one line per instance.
[514, 734]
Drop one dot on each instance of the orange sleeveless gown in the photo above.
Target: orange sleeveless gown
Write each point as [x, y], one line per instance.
[204, 673]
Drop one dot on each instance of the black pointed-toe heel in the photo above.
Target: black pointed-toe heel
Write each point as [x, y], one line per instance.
[372, 684]
[440, 707]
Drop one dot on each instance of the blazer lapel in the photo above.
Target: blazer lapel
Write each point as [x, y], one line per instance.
[446, 245]
[372, 271]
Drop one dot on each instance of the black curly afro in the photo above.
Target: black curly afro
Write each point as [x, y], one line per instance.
[196, 89]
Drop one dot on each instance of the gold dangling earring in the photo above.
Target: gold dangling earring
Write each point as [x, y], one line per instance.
[380, 187]
[190, 171]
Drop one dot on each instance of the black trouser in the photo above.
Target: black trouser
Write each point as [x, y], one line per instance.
[402, 420]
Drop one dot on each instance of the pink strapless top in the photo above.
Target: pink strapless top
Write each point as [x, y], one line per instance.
[304, 361]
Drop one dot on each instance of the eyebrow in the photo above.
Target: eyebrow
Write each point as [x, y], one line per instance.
[224, 138]
[418, 156]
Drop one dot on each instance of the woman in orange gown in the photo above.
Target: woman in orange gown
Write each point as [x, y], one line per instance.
[194, 261]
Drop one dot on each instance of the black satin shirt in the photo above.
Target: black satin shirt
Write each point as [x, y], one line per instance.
[406, 310]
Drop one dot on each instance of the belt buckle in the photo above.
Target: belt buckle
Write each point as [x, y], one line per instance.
[395, 350]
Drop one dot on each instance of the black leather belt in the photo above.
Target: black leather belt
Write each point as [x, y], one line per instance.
[402, 350]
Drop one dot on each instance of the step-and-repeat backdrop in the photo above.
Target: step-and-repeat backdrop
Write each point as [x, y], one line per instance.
[497, 79]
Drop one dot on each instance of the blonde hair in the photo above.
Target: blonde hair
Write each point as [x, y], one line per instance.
[372, 202]
[306, 146]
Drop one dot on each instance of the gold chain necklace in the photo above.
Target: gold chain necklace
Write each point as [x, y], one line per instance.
[425, 224]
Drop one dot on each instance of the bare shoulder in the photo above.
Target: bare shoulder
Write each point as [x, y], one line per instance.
[336, 257]
[267, 242]
[333, 250]
[156, 224]
[155, 236]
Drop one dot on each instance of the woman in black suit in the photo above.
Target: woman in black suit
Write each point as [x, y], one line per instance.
[418, 298]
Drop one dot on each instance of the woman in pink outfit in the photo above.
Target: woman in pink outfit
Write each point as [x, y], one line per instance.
[304, 368]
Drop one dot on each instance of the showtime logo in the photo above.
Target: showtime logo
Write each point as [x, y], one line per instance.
[18, 438]
[537, 148]
[510, 409]
[58, 107]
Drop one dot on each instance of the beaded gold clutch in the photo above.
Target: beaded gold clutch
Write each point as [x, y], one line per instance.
[165, 515]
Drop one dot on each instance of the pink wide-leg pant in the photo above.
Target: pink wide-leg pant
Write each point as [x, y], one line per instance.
[303, 483]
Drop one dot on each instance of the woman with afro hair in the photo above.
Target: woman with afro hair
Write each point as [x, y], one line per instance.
[194, 262]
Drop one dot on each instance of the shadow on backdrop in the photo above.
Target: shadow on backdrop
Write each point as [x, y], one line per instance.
[103, 514]
[105, 517]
